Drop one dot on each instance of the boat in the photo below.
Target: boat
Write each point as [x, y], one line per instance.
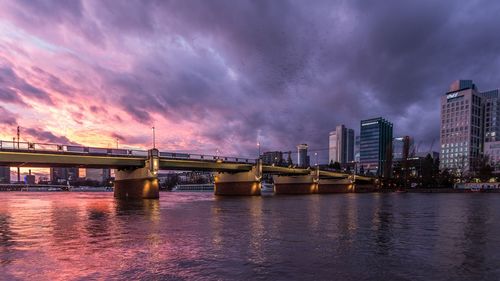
[267, 188]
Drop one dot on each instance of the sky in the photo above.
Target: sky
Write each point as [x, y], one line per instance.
[225, 75]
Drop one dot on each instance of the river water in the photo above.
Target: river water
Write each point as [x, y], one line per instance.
[197, 236]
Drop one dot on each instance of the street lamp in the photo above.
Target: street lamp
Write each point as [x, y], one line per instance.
[316, 157]
[258, 146]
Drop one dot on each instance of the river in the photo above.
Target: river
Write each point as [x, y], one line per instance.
[197, 236]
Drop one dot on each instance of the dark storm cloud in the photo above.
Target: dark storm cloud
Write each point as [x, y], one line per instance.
[12, 87]
[287, 72]
[7, 117]
[46, 136]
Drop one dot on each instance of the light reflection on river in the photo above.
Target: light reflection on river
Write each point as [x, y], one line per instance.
[197, 236]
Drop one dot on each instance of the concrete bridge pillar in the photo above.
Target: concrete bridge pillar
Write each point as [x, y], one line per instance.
[139, 183]
[335, 186]
[303, 184]
[240, 183]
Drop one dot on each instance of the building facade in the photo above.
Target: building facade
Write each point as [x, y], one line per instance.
[375, 147]
[462, 130]
[302, 157]
[341, 145]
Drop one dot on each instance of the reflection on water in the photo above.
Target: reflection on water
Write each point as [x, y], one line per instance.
[197, 236]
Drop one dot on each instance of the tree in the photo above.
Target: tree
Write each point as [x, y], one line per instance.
[361, 170]
[336, 166]
[331, 164]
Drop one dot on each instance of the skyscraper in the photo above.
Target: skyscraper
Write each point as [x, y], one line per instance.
[302, 157]
[341, 145]
[462, 127]
[375, 148]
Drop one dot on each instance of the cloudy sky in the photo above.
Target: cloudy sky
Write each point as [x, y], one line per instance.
[227, 74]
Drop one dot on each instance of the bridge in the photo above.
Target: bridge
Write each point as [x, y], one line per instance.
[136, 170]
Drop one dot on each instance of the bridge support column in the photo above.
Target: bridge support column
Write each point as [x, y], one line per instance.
[241, 183]
[140, 183]
[335, 186]
[304, 184]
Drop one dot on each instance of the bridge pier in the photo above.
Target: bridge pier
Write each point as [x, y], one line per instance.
[336, 186]
[303, 184]
[139, 183]
[240, 183]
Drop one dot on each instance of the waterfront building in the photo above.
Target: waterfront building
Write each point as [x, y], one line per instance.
[302, 157]
[462, 127]
[4, 174]
[62, 175]
[375, 147]
[341, 145]
[272, 157]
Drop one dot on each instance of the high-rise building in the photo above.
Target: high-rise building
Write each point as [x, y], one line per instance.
[4, 174]
[341, 147]
[272, 157]
[462, 127]
[375, 146]
[61, 175]
[302, 157]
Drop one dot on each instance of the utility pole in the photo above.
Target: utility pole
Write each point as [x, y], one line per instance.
[18, 168]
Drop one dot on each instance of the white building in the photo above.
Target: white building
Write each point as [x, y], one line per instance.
[341, 145]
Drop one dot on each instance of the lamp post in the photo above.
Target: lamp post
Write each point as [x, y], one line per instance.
[316, 158]
[258, 146]
[117, 143]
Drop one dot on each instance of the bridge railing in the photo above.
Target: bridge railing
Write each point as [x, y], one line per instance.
[87, 150]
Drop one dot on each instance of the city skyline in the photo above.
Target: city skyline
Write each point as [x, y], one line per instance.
[208, 82]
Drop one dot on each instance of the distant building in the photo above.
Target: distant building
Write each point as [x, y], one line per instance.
[99, 175]
[4, 174]
[62, 175]
[401, 147]
[272, 157]
[356, 149]
[341, 145]
[302, 157]
[375, 148]
[29, 178]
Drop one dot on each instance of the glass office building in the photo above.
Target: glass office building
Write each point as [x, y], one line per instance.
[375, 146]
